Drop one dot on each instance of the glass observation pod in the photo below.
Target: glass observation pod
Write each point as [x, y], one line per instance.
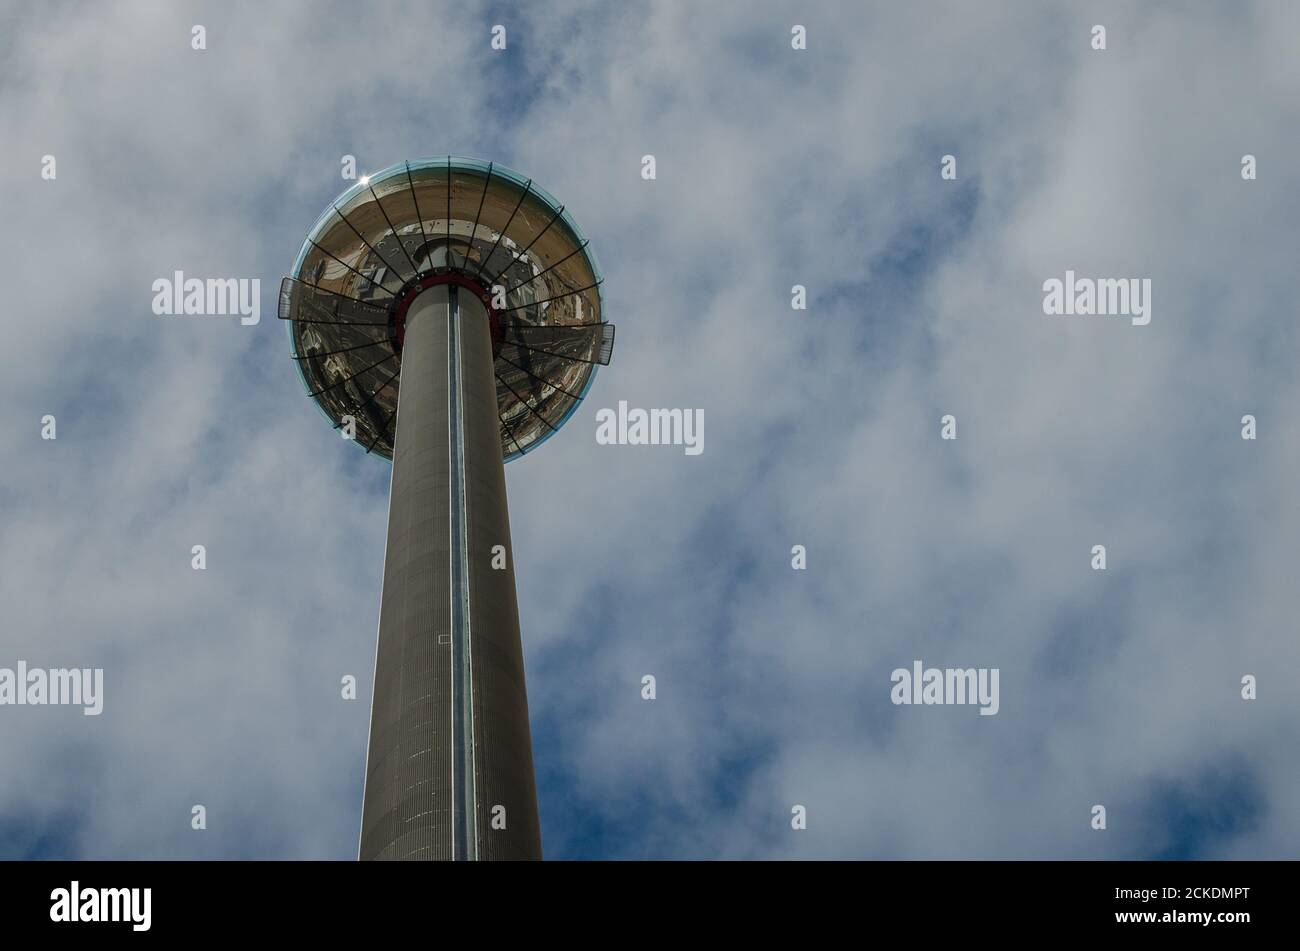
[446, 220]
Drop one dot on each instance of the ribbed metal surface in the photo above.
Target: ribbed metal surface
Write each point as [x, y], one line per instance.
[407, 809]
[503, 746]
[413, 771]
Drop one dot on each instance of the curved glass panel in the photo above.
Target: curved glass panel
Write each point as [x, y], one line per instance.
[438, 219]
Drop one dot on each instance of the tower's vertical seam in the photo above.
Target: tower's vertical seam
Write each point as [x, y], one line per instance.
[466, 830]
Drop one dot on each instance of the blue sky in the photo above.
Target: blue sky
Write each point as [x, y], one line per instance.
[775, 167]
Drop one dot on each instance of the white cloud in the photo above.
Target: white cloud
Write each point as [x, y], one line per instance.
[775, 167]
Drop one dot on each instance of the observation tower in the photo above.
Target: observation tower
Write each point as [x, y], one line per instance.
[446, 315]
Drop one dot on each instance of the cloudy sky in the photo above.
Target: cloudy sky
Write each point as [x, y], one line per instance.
[775, 167]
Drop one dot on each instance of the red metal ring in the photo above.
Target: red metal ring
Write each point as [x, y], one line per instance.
[397, 320]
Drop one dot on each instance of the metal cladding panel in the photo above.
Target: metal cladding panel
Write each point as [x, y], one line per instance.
[504, 752]
[412, 776]
[407, 809]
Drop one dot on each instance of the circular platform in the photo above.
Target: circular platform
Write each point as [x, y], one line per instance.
[446, 220]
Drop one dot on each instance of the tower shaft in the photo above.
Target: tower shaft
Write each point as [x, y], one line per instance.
[450, 756]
